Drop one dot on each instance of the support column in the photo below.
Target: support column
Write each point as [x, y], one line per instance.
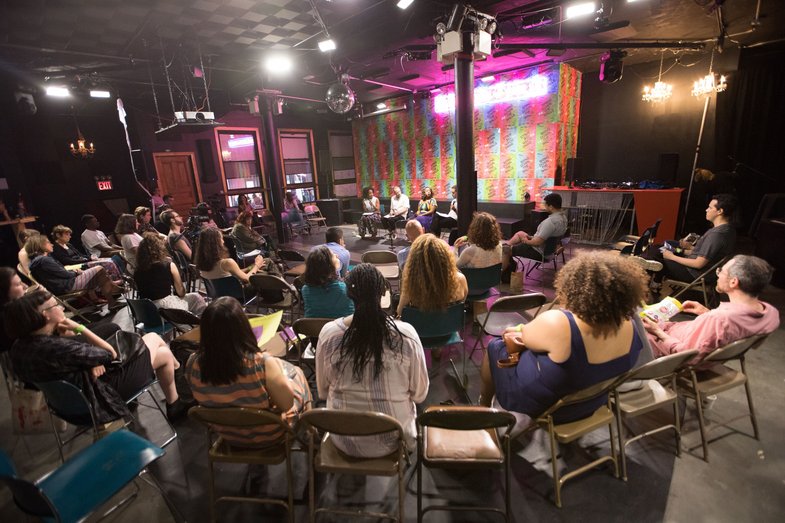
[273, 163]
[466, 175]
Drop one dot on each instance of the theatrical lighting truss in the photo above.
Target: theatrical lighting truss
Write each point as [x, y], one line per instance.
[449, 39]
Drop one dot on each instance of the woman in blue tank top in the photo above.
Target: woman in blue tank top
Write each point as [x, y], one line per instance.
[590, 340]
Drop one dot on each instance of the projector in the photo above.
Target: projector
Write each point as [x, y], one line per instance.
[194, 116]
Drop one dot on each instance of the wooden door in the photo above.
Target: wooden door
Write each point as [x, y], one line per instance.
[177, 175]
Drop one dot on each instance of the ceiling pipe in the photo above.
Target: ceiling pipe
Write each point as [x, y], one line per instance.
[611, 45]
[390, 86]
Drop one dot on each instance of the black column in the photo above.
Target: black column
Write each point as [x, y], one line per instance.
[464, 134]
[273, 164]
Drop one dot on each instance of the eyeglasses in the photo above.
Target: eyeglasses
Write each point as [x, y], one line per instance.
[52, 307]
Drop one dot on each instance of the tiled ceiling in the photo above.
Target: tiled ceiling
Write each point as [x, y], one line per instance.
[125, 42]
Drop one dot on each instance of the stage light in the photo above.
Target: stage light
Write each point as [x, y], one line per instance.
[403, 4]
[611, 66]
[99, 93]
[58, 91]
[582, 9]
[278, 64]
[488, 79]
[441, 28]
[381, 105]
[327, 45]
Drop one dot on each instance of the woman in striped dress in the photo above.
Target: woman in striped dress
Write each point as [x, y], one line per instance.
[230, 370]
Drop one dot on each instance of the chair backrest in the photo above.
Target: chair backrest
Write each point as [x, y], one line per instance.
[179, 316]
[654, 228]
[290, 256]
[736, 349]
[549, 248]
[521, 303]
[586, 394]
[351, 422]
[230, 244]
[661, 367]
[379, 257]
[67, 401]
[434, 324]
[480, 280]
[641, 243]
[310, 327]
[708, 276]
[239, 417]
[271, 283]
[226, 286]
[26, 494]
[461, 417]
[145, 311]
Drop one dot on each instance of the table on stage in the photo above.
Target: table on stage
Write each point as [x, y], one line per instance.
[19, 225]
[598, 214]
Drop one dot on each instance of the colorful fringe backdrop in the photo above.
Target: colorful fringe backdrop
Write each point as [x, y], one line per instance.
[518, 145]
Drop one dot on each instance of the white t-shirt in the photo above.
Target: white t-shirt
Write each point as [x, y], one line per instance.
[91, 240]
[130, 242]
[398, 204]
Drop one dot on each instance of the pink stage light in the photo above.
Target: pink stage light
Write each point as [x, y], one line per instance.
[520, 89]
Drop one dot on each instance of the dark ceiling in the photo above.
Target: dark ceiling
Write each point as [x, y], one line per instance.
[124, 43]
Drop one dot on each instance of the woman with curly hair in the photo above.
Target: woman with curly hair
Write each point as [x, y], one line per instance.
[371, 362]
[426, 209]
[156, 276]
[372, 217]
[324, 294]
[431, 280]
[484, 246]
[213, 261]
[561, 351]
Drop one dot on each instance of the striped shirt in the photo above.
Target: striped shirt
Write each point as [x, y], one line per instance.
[249, 390]
[402, 382]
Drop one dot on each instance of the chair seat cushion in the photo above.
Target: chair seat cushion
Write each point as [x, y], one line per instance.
[480, 446]
[225, 452]
[567, 432]
[331, 459]
[389, 270]
[649, 397]
[715, 379]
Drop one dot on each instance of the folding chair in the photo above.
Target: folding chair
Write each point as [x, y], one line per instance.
[226, 286]
[507, 311]
[269, 284]
[385, 261]
[81, 485]
[549, 255]
[179, 318]
[465, 438]
[314, 216]
[328, 459]
[704, 282]
[307, 332]
[635, 245]
[63, 299]
[700, 381]
[234, 419]
[145, 313]
[292, 257]
[481, 281]
[651, 396]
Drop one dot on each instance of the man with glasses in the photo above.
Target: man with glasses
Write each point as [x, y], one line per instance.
[742, 278]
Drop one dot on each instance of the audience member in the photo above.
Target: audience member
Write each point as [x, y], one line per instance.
[524, 245]
[230, 370]
[213, 261]
[370, 362]
[169, 200]
[67, 254]
[243, 205]
[247, 239]
[324, 294]
[413, 231]
[291, 206]
[46, 349]
[94, 241]
[590, 340]
[11, 288]
[371, 217]
[23, 257]
[426, 208]
[144, 220]
[399, 209]
[335, 242]
[157, 202]
[742, 278]
[449, 220]
[431, 280]
[156, 276]
[57, 279]
[176, 239]
[483, 243]
[129, 238]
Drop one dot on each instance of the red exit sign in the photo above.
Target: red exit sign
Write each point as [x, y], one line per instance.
[104, 185]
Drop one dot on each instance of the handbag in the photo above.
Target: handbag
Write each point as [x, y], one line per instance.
[128, 346]
[30, 414]
[517, 276]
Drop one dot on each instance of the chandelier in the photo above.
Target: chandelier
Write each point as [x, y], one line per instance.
[661, 90]
[80, 149]
[709, 84]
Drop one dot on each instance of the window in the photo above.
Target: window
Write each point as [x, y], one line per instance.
[342, 165]
[297, 159]
[241, 166]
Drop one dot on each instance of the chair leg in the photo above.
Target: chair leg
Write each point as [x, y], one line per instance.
[158, 406]
[289, 483]
[554, 465]
[701, 421]
[401, 488]
[212, 488]
[57, 436]
[614, 456]
[419, 489]
[311, 481]
[747, 389]
[622, 450]
[676, 418]
[507, 473]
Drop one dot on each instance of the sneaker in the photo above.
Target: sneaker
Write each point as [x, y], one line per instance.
[647, 265]
[178, 409]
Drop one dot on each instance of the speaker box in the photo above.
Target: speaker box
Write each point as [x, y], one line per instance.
[573, 170]
[668, 168]
[331, 210]
[204, 155]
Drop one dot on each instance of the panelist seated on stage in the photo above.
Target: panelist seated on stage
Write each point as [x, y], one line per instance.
[716, 244]
[449, 220]
[526, 246]
[399, 209]
[742, 278]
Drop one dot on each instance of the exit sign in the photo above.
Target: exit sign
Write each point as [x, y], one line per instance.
[104, 185]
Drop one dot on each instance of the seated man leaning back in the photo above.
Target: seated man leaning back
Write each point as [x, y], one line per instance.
[742, 278]
[522, 244]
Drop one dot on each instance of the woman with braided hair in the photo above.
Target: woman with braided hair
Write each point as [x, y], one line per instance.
[373, 364]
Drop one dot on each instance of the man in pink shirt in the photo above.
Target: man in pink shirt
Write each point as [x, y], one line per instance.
[742, 278]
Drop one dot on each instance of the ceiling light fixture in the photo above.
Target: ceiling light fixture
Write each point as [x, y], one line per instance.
[488, 79]
[403, 4]
[58, 91]
[327, 45]
[80, 149]
[582, 9]
[99, 93]
[661, 90]
[709, 84]
[278, 64]
[381, 105]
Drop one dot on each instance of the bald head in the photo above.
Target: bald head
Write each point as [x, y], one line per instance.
[413, 230]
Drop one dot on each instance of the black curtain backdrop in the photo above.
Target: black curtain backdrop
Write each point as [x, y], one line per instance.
[749, 122]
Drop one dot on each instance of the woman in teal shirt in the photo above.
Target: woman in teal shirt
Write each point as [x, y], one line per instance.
[324, 294]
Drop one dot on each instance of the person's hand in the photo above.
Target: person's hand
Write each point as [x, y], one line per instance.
[97, 372]
[77, 271]
[460, 242]
[693, 307]
[653, 327]
[514, 342]
[668, 255]
[258, 261]
[66, 327]
[513, 329]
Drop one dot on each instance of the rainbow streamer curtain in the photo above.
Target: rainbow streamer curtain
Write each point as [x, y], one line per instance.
[518, 144]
